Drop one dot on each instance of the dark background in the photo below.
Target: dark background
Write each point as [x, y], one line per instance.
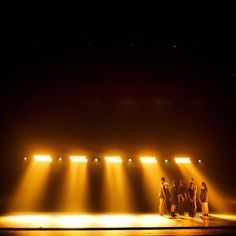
[136, 77]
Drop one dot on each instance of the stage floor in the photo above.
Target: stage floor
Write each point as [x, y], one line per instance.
[119, 224]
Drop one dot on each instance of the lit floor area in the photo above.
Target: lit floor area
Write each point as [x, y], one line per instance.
[119, 224]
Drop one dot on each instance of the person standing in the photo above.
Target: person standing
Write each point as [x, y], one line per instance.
[203, 198]
[195, 195]
[182, 196]
[190, 194]
[167, 206]
[174, 198]
[162, 196]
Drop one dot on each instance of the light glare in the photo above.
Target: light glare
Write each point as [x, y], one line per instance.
[113, 159]
[148, 160]
[40, 158]
[182, 160]
[78, 159]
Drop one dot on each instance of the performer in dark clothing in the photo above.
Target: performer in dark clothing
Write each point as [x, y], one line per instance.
[203, 198]
[195, 194]
[191, 196]
[174, 198]
[168, 198]
[182, 197]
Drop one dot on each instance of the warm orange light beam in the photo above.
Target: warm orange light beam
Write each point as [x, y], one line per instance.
[74, 193]
[117, 195]
[31, 187]
[151, 180]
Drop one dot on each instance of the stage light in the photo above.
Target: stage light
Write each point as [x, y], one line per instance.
[40, 158]
[96, 159]
[130, 160]
[59, 159]
[182, 160]
[166, 161]
[78, 159]
[199, 161]
[25, 158]
[148, 160]
[113, 159]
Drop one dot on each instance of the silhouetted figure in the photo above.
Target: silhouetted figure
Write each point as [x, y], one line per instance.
[191, 194]
[168, 198]
[162, 196]
[195, 194]
[182, 197]
[174, 198]
[203, 198]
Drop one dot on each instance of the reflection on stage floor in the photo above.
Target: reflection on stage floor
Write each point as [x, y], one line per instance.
[115, 224]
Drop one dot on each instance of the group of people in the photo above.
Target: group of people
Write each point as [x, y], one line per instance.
[178, 199]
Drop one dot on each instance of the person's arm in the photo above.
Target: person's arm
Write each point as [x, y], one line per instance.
[195, 191]
[185, 196]
[181, 196]
[189, 197]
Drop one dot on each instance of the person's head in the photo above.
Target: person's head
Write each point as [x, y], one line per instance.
[204, 185]
[163, 179]
[191, 185]
[173, 182]
[181, 182]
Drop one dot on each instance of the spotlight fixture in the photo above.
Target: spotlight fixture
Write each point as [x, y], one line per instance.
[25, 158]
[182, 160]
[42, 158]
[113, 159]
[166, 161]
[148, 160]
[78, 159]
[130, 160]
[199, 161]
[59, 158]
[96, 159]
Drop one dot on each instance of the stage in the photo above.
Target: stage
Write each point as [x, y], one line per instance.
[115, 224]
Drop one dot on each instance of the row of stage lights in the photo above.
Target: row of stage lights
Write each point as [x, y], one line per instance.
[111, 159]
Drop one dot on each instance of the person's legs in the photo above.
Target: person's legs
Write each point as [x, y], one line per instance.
[191, 209]
[161, 206]
[194, 207]
[181, 207]
[168, 207]
[173, 209]
[206, 208]
[203, 208]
